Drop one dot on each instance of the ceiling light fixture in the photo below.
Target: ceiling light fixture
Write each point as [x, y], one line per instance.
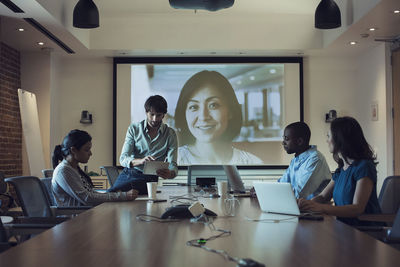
[327, 15]
[86, 15]
[396, 11]
[20, 29]
[372, 29]
[40, 43]
[353, 43]
[214, 5]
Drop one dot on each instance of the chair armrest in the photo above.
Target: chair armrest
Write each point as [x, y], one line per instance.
[14, 213]
[23, 229]
[40, 220]
[389, 218]
[372, 228]
[59, 211]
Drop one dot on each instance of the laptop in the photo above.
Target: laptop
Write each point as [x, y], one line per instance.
[277, 198]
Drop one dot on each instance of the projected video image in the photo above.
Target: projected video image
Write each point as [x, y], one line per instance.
[222, 113]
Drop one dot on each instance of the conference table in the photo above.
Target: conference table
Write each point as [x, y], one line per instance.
[111, 235]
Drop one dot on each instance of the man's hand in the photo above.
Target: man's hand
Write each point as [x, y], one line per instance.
[166, 173]
[137, 162]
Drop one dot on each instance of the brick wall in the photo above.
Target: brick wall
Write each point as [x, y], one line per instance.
[10, 120]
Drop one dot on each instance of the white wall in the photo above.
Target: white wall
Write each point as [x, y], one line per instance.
[328, 84]
[84, 84]
[350, 86]
[371, 88]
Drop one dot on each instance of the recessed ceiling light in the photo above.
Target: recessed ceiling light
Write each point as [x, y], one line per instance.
[353, 43]
[372, 29]
[396, 11]
[40, 43]
[20, 29]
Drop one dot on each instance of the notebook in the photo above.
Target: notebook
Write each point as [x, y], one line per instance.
[276, 198]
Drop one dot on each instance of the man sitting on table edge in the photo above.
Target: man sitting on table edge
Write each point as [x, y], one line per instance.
[147, 140]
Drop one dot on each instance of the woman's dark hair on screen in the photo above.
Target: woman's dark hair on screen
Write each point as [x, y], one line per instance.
[348, 140]
[196, 82]
[75, 138]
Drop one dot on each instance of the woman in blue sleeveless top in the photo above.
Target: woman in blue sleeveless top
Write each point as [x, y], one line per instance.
[353, 185]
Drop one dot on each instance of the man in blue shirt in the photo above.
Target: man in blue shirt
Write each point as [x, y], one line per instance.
[308, 170]
[147, 140]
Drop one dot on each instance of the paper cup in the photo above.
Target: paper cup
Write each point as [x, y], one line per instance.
[222, 188]
[152, 190]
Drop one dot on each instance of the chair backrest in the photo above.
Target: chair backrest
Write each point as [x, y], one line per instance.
[112, 173]
[389, 196]
[49, 191]
[32, 196]
[47, 173]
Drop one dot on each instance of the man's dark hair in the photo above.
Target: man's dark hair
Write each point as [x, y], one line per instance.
[300, 130]
[156, 103]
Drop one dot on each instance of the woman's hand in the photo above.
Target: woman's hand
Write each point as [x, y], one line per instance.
[166, 173]
[310, 205]
[132, 194]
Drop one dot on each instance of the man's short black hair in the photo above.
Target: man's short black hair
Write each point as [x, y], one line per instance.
[156, 103]
[300, 129]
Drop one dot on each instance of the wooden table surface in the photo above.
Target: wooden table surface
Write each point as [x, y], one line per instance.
[110, 235]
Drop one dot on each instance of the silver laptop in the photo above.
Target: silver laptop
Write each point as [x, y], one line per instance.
[276, 198]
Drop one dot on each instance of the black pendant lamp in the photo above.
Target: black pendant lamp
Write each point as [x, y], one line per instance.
[327, 15]
[210, 5]
[86, 15]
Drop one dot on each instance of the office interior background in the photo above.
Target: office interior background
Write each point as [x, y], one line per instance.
[353, 79]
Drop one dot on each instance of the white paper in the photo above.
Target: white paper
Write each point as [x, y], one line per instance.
[151, 167]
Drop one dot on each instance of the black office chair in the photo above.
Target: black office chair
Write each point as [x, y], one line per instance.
[112, 173]
[47, 173]
[49, 191]
[16, 232]
[5, 198]
[4, 244]
[35, 201]
[389, 235]
[389, 196]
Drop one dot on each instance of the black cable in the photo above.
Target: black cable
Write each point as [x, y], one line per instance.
[200, 243]
[151, 218]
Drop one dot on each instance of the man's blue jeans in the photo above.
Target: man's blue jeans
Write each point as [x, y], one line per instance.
[131, 178]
